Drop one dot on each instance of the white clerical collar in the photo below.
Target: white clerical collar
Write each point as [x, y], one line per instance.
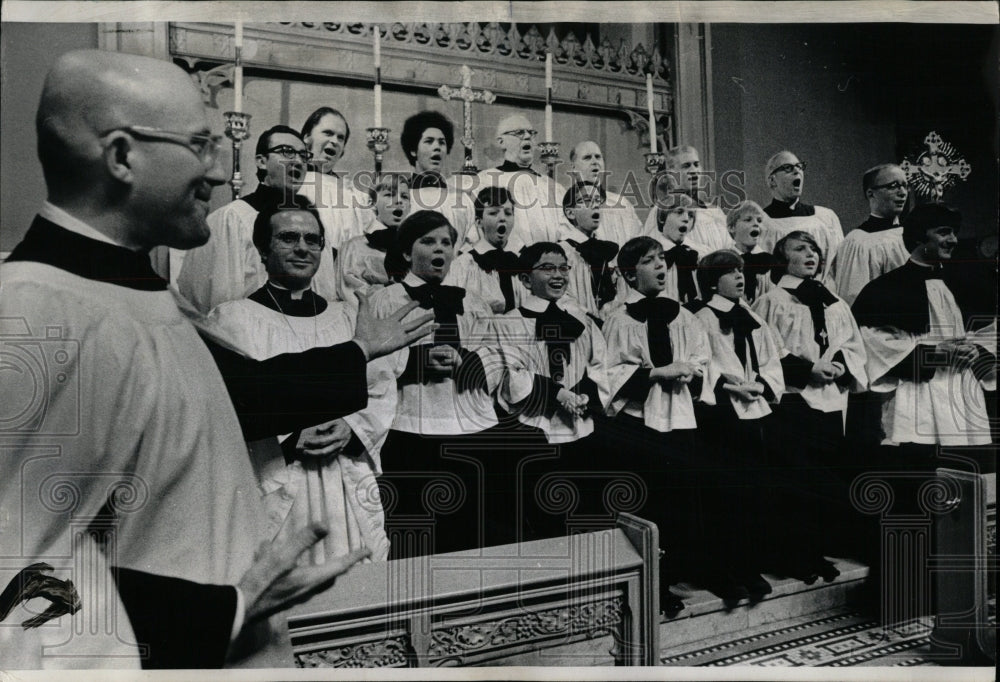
[538, 305]
[294, 294]
[413, 280]
[721, 303]
[895, 219]
[376, 226]
[634, 295]
[790, 281]
[667, 241]
[69, 222]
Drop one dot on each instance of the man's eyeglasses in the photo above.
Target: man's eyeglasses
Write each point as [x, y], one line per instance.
[289, 152]
[523, 133]
[204, 145]
[290, 239]
[789, 167]
[552, 268]
[891, 186]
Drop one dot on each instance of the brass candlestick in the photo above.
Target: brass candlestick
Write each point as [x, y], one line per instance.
[549, 153]
[237, 130]
[378, 142]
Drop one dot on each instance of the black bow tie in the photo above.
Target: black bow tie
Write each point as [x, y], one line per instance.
[446, 302]
[755, 264]
[504, 263]
[813, 294]
[597, 253]
[682, 255]
[428, 179]
[657, 313]
[685, 259]
[382, 239]
[740, 322]
[557, 329]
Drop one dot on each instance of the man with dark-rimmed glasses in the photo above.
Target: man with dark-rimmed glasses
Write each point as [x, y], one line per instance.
[228, 267]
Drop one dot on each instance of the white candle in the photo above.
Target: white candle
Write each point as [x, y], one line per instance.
[652, 115]
[548, 97]
[377, 37]
[238, 70]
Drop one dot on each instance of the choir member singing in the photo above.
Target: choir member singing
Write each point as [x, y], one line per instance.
[745, 224]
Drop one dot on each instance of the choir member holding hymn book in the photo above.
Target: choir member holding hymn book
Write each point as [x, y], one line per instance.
[658, 354]
[325, 473]
[745, 375]
[361, 263]
[825, 361]
[486, 268]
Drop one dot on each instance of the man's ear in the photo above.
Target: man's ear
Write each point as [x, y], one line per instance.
[261, 161]
[117, 156]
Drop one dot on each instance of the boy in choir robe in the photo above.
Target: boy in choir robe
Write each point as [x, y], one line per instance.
[684, 174]
[537, 211]
[619, 223]
[344, 210]
[439, 460]
[825, 361]
[486, 269]
[228, 267]
[931, 355]
[875, 246]
[745, 375]
[427, 138]
[785, 175]
[745, 224]
[361, 262]
[658, 353]
[325, 473]
[592, 280]
[554, 381]
[673, 223]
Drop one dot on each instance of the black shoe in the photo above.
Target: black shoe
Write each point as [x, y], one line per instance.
[756, 586]
[803, 570]
[670, 603]
[827, 571]
[727, 588]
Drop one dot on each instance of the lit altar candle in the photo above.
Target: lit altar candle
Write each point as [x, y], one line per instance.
[238, 71]
[548, 96]
[378, 76]
[652, 116]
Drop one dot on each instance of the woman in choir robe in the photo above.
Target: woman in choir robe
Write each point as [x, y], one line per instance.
[745, 224]
[485, 268]
[326, 473]
[427, 138]
[745, 375]
[438, 457]
[555, 383]
[824, 361]
[361, 263]
[658, 354]
[344, 210]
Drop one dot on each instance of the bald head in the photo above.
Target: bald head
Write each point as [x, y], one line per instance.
[89, 92]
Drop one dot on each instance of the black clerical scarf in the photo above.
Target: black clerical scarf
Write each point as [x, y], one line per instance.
[557, 329]
[428, 179]
[783, 209]
[755, 264]
[685, 259]
[738, 320]
[504, 263]
[597, 253]
[511, 167]
[50, 244]
[446, 302]
[265, 196]
[280, 300]
[813, 294]
[657, 313]
[876, 224]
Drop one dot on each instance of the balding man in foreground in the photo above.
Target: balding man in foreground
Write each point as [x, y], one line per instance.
[132, 479]
[619, 223]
